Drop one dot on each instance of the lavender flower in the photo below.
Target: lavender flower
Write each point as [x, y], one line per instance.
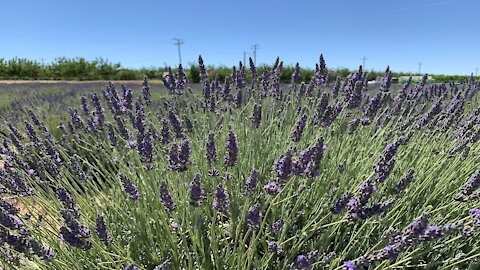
[166, 197]
[468, 188]
[184, 152]
[305, 262]
[299, 128]
[232, 150]
[277, 225]
[123, 131]
[253, 216]
[475, 215]
[203, 72]
[73, 232]
[197, 194]
[251, 182]
[283, 166]
[257, 115]
[405, 181]
[386, 162]
[181, 81]
[66, 198]
[349, 265]
[253, 69]
[274, 247]
[179, 156]
[174, 120]
[111, 135]
[211, 150]
[85, 107]
[341, 203]
[165, 132]
[101, 229]
[220, 203]
[129, 187]
[272, 188]
[146, 91]
[131, 267]
[296, 74]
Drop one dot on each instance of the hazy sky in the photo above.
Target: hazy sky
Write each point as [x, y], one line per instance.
[444, 35]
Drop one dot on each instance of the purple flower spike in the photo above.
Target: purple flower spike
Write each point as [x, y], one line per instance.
[220, 203]
[253, 216]
[274, 247]
[129, 187]
[211, 150]
[349, 265]
[299, 128]
[101, 229]
[166, 197]
[305, 262]
[131, 267]
[272, 188]
[475, 215]
[251, 182]
[277, 225]
[232, 150]
[197, 194]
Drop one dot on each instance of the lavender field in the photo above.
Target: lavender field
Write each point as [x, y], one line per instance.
[246, 173]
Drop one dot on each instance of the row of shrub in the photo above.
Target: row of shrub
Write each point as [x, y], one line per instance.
[101, 69]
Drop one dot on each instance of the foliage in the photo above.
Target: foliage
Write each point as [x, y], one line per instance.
[249, 176]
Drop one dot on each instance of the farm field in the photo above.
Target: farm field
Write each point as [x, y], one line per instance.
[240, 174]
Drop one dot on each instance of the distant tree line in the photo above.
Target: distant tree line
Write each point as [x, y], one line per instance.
[101, 69]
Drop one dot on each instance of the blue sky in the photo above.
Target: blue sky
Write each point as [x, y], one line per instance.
[442, 34]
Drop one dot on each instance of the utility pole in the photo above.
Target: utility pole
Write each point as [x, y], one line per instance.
[254, 48]
[244, 58]
[363, 62]
[476, 72]
[420, 68]
[179, 42]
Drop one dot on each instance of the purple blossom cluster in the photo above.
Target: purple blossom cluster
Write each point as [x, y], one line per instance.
[299, 128]
[166, 197]
[101, 229]
[384, 165]
[210, 148]
[220, 203]
[130, 189]
[257, 115]
[73, 232]
[16, 236]
[251, 182]
[197, 194]
[358, 207]
[232, 149]
[178, 156]
[469, 190]
[418, 232]
[253, 217]
[304, 261]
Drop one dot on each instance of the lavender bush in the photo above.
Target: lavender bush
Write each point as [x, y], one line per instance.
[244, 174]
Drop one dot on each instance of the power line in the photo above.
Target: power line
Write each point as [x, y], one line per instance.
[179, 42]
[254, 48]
[363, 62]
